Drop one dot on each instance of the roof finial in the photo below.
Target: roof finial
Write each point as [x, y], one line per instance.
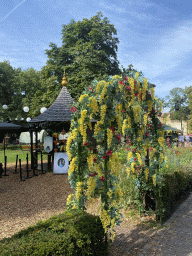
[64, 80]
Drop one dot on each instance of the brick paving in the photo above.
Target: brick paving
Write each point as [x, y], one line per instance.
[175, 240]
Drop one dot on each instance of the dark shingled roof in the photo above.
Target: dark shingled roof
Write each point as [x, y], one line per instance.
[59, 110]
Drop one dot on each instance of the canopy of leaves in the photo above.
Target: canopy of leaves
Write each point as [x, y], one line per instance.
[177, 96]
[88, 51]
[17, 88]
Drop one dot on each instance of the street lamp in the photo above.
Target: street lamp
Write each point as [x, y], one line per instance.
[43, 109]
[4, 106]
[26, 109]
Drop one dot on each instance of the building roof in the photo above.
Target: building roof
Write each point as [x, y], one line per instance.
[59, 110]
[9, 126]
[6, 127]
[168, 128]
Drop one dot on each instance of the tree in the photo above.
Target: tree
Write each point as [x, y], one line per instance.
[18, 86]
[177, 96]
[6, 89]
[88, 51]
[188, 91]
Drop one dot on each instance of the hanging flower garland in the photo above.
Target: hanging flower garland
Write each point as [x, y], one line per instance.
[108, 103]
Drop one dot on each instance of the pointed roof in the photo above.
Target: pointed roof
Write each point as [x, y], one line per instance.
[59, 111]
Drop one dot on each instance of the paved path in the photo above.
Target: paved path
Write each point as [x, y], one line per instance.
[175, 240]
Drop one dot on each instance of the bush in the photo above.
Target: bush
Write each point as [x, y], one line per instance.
[70, 233]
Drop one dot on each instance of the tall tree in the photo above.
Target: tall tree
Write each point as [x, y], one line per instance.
[88, 51]
[6, 88]
[179, 97]
[188, 91]
[17, 88]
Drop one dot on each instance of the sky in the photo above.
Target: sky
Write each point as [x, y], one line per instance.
[155, 36]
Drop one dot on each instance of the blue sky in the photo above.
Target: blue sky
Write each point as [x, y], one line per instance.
[155, 36]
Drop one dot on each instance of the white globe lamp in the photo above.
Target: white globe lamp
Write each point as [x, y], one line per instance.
[43, 109]
[4, 106]
[26, 109]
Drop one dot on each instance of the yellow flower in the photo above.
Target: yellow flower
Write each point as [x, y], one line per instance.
[90, 127]
[154, 179]
[110, 193]
[72, 166]
[136, 112]
[105, 219]
[97, 128]
[161, 141]
[161, 158]
[152, 93]
[145, 149]
[93, 104]
[131, 83]
[91, 185]
[124, 126]
[69, 198]
[150, 105]
[98, 170]
[146, 174]
[128, 171]
[139, 158]
[109, 137]
[136, 74]
[79, 190]
[103, 111]
[99, 85]
[130, 155]
[90, 162]
[121, 87]
[82, 97]
[133, 167]
[116, 77]
[145, 119]
[114, 164]
[103, 93]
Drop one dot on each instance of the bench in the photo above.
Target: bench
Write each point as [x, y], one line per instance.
[26, 147]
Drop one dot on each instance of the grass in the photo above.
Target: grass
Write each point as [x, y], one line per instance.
[12, 151]
[177, 172]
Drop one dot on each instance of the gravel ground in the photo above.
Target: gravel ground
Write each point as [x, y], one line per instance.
[23, 203]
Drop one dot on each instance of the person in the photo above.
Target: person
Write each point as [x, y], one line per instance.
[177, 142]
[187, 140]
[190, 140]
[179, 139]
[182, 140]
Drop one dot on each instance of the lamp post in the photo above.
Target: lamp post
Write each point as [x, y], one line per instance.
[42, 110]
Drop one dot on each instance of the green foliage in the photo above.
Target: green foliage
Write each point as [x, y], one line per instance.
[70, 233]
[88, 51]
[6, 89]
[181, 95]
[19, 86]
